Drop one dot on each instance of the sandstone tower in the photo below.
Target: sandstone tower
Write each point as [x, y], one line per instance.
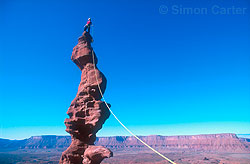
[87, 113]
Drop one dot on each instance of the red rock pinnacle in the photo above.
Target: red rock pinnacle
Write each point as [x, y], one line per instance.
[87, 113]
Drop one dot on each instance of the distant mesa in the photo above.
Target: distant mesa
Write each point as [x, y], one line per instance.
[208, 142]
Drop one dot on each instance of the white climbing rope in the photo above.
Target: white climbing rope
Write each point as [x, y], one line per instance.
[121, 122]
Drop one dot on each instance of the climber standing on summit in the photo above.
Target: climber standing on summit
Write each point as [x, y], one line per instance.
[87, 26]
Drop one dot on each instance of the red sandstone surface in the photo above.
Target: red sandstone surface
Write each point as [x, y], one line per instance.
[87, 113]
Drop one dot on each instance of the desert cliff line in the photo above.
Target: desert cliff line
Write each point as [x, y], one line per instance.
[227, 142]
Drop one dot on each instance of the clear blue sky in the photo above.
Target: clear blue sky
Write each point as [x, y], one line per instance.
[169, 72]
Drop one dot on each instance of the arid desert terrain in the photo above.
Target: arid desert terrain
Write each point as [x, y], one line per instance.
[193, 149]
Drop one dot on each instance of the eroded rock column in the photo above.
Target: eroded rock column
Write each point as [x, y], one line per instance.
[87, 113]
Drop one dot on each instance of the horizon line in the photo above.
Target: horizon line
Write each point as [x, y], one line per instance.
[129, 135]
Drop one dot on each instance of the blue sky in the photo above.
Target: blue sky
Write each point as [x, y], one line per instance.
[168, 73]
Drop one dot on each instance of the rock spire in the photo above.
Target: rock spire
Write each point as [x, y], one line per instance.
[87, 113]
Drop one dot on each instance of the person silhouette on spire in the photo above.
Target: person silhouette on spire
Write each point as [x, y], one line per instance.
[87, 26]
